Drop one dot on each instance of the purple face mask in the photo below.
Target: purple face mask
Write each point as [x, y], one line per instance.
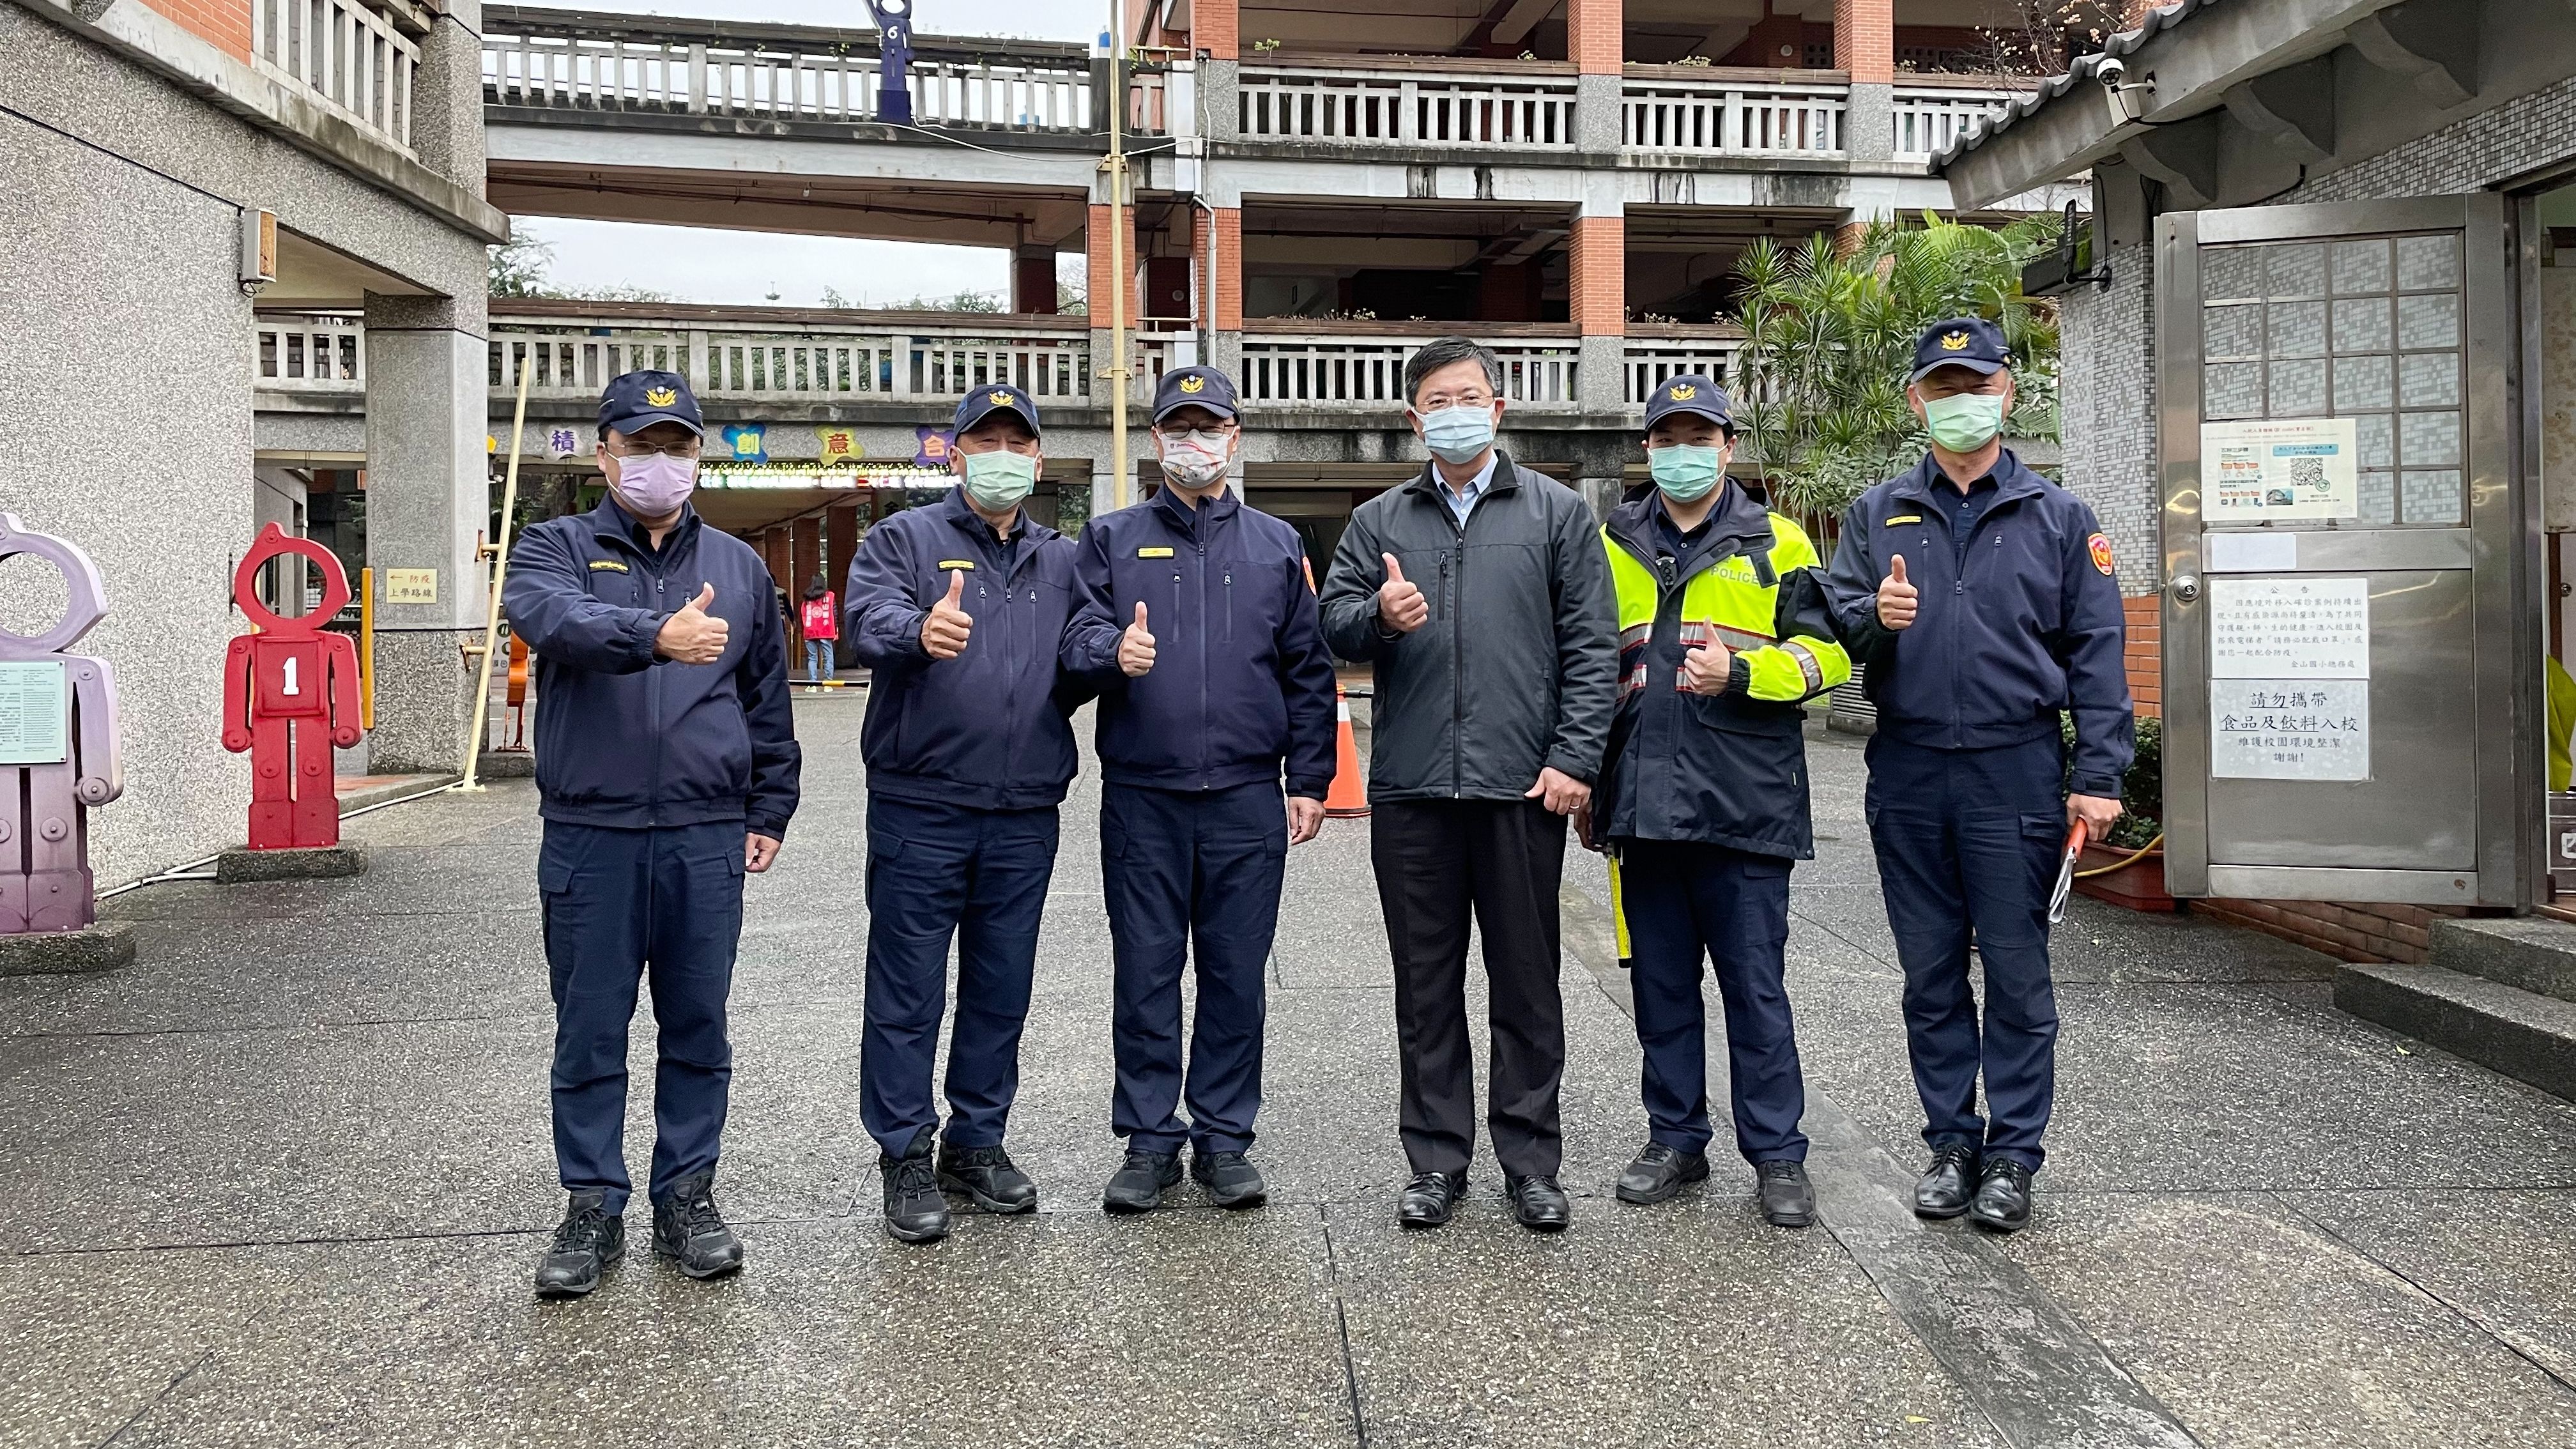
[656, 484]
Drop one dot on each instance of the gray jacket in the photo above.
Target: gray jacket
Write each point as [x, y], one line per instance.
[1517, 667]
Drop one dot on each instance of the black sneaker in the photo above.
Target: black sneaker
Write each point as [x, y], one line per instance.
[1788, 1199]
[588, 1243]
[987, 1175]
[914, 1210]
[1659, 1174]
[1946, 1185]
[1137, 1186]
[1230, 1178]
[2003, 1196]
[688, 1230]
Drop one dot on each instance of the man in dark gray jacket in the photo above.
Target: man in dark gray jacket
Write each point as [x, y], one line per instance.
[1480, 594]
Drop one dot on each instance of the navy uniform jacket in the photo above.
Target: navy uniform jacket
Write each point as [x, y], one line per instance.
[1240, 680]
[986, 729]
[625, 737]
[2016, 623]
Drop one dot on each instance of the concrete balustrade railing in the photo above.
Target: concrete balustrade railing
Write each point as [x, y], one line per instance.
[1650, 362]
[904, 361]
[1725, 117]
[1355, 106]
[1363, 370]
[345, 54]
[576, 61]
[1928, 119]
[311, 352]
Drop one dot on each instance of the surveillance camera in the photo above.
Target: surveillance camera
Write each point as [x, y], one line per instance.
[2110, 73]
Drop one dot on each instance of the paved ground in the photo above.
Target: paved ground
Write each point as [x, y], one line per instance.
[283, 1181]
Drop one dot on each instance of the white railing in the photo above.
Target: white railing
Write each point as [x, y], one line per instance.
[572, 361]
[311, 353]
[1382, 108]
[343, 53]
[1927, 121]
[1328, 371]
[1649, 365]
[612, 74]
[1719, 119]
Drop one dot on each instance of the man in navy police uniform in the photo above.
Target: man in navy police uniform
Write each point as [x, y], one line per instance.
[666, 768]
[959, 610]
[1982, 599]
[1199, 627]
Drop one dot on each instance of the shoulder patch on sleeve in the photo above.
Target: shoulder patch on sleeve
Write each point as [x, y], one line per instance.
[2101, 550]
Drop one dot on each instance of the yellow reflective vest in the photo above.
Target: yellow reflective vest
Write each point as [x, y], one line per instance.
[1729, 768]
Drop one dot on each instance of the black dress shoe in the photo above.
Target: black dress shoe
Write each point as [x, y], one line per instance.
[1945, 1187]
[987, 1175]
[1138, 1184]
[1430, 1198]
[688, 1230]
[1659, 1173]
[1788, 1199]
[1539, 1203]
[914, 1210]
[2003, 1196]
[1230, 1179]
[587, 1243]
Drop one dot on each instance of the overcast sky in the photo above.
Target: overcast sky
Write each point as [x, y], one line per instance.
[697, 265]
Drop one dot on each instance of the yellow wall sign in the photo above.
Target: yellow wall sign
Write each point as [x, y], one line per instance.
[411, 586]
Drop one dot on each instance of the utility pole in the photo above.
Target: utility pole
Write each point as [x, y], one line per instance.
[1116, 165]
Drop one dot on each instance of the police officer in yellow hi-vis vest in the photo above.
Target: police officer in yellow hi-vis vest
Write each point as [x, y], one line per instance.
[1723, 633]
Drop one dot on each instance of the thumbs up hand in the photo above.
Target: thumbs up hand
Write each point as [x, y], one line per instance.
[1896, 597]
[1706, 669]
[1136, 646]
[945, 627]
[1399, 603]
[694, 636]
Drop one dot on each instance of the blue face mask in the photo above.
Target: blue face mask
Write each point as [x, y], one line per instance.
[1459, 434]
[1684, 471]
[999, 479]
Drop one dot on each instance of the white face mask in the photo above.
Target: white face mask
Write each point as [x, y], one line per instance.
[1193, 460]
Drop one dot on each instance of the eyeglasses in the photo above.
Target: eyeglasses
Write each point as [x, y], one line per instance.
[1206, 437]
[1437, 401]
[684, 448]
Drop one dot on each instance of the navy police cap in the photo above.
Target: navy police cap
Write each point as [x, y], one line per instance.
[1690, 393]
[994, 397]
[638, 400]
[1970, 342]
[1195, 387]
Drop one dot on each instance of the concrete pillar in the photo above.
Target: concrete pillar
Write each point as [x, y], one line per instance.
[447, 95]
[1865, 46]
[1599, 283]
[429, 503]
[1596, 42]
[1104, 480]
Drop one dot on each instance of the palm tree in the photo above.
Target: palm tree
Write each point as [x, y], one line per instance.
[1829, 334]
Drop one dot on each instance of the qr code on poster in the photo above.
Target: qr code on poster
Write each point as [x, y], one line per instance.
[2308, 472]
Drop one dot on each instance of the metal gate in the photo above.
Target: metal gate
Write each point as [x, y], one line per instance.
[2351, 624]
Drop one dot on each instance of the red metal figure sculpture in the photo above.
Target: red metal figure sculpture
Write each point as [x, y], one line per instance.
[290, 694]
[65, 763]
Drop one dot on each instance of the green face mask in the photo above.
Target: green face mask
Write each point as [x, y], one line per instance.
[999, 479]
[1966, 422]
[1685, 472]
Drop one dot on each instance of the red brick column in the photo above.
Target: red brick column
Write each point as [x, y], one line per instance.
[805, 554]
[1227, 275]
[1592, 35]
[2144, 615]
[1216, 28]
[1096, 243]
[1865, 40]
[841, 529]
[223, 23]
[1599, 282]
[774, 551]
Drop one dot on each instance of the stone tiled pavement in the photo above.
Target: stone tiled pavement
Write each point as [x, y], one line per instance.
[282, 1182]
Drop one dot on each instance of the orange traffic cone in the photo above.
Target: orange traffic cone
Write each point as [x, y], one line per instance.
[1349, 796]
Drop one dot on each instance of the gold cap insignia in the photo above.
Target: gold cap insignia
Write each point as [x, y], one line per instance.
[1003, 400]
[660, 397]
[1955, 342]
[1684, 393]
[1194, 384]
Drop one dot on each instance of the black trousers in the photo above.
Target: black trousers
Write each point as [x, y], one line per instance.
[1436, 861]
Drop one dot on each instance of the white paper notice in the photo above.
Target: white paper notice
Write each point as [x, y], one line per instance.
[35, 717]
[2289, 729]
[2280, 470]
[2304, 626]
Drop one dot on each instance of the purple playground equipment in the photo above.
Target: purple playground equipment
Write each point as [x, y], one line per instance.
[57, 749]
